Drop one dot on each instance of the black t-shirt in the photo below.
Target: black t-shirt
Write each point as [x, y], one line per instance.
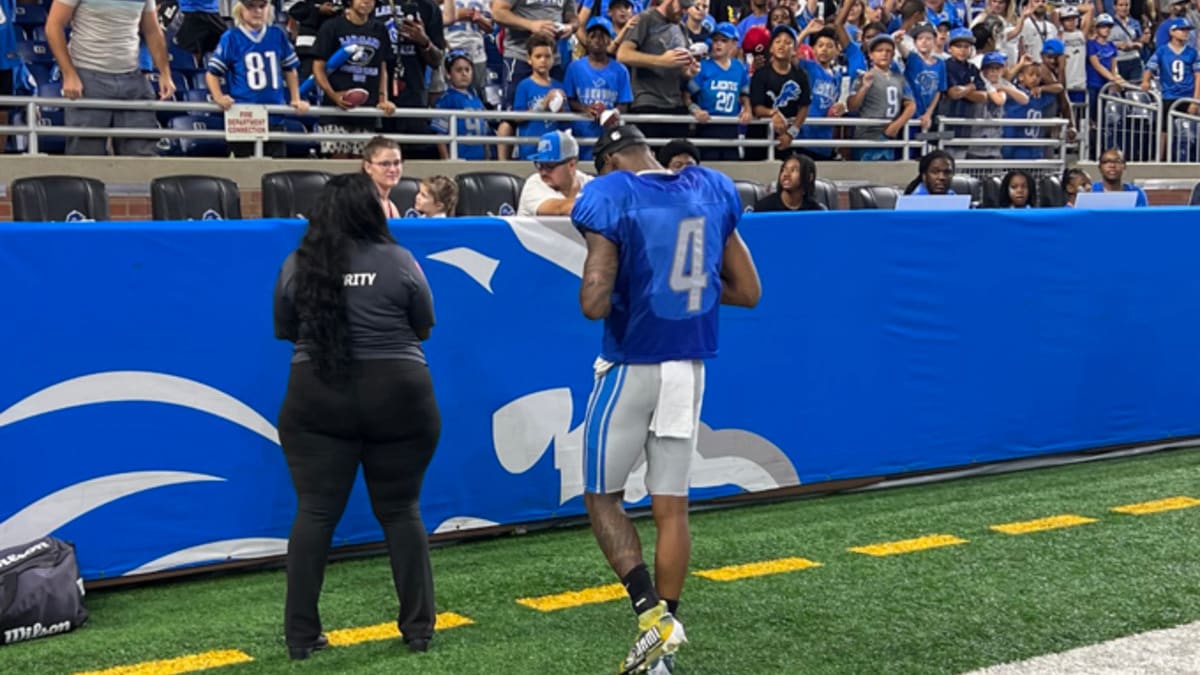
[773, 202]
[387, 303]
[361, 71]
[766, 85]
[409, 73]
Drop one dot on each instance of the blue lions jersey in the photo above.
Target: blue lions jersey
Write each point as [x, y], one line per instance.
[253, 64]
[925, 80]
[1034, 109]
[1176, 71]
[671, 231]
[455, 99]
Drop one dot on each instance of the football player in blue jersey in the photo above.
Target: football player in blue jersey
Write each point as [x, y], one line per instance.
[663, 254]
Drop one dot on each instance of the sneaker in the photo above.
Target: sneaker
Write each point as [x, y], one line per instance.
[662, 634]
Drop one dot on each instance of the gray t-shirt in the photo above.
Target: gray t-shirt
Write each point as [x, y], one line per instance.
[105, 33]
[558, 11]
[883, 101]
[387, 302]
[656, 87]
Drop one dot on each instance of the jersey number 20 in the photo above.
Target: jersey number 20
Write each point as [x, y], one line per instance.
[689, 254]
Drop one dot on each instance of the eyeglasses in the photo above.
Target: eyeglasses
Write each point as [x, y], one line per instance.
[389, 163]
[549, 166]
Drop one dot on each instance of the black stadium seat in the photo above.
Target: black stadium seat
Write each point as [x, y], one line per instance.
[201, 147]
[488, 193]
[873, 197]
[963, 184]
[1195, 199]
[751, 192]
[991, 191]
[826, 194]
[291, 194]
[58, 198]
[194, 198]
[405, 194]
[1050, 191]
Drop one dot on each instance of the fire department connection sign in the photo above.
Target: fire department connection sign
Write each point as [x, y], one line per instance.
[246, 123]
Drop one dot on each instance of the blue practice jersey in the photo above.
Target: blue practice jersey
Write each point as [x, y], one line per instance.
[670, 230]
[587, 84]
[528, 96]
[925, 80]
[253, 64]
[454, 99]
[1176, 72]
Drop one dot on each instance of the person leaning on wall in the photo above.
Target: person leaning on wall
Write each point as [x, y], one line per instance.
[357, 306]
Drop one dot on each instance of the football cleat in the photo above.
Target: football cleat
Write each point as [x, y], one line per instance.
[662, 634]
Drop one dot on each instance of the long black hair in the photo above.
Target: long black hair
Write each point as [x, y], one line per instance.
[923, 168]
[1006, 182]
[347, 215]
[808, 174]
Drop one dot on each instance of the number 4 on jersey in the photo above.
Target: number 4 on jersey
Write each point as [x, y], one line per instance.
[689, 244]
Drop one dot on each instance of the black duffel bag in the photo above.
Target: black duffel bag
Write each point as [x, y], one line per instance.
[41, 592]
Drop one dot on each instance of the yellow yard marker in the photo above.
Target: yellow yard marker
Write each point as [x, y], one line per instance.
[1158, 505]
[388, 631]
[757, 569]
[1050, 523]
[182, 664]
[586, 596]
[909, 545]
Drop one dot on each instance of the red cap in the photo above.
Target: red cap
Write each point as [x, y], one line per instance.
[756, 40]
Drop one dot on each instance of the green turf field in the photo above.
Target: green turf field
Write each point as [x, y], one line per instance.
[996, 598]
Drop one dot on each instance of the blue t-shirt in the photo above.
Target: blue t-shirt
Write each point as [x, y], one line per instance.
[949, 13]
[8, 37]
[749, 22]
[528, 96]
[585, 83]
[253, 64]
[454, 99]
[1098, 186]
[1106, 52]
[192, 6]
[1176, 72]
[925, 80]
[638, 6]
[826, 90]
[719, 90]
[1034, 109]
[670, 230]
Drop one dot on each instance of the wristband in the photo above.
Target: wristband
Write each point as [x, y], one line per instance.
[793, 131]
[693, 108]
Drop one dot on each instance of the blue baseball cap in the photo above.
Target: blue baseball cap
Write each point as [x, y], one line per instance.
[454, 55]
[1178, 24]
[994, 59]
[878, 40]
[1054, 47]
[556, 146]
[923, 28]
[727, 30]
[959, 35]
[783, 28]
[600, 22]
[708, 23]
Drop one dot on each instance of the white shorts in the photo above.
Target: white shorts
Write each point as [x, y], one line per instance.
[617, 429]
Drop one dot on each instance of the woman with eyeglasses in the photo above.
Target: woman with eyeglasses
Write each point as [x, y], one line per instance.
[382, 162]
[357, 307]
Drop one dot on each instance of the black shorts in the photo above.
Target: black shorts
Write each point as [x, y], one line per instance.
[200, 32]
[1166, 112]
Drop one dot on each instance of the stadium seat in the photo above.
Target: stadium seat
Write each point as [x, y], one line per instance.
[404, 194]
[991, 191]
[58, 199]
[201, 147]
[751, 192]
[964, 184]
[194, 198]
[873, 197]
[295, 149]
[826, 194]
[1050, 192]
[291, 194]
[1195, 199]
[488, 193]
[31, 51]
[29, 15]
[43, 72]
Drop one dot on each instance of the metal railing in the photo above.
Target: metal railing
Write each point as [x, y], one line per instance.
[1128, 118]
[979, 166]
[1183, 132]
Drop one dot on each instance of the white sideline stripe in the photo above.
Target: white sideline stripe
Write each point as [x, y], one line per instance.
[1170, 651]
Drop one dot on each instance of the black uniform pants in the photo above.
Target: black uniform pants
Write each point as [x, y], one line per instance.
[386, 418]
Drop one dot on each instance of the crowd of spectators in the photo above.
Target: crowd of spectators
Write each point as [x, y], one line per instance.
[718, 65]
